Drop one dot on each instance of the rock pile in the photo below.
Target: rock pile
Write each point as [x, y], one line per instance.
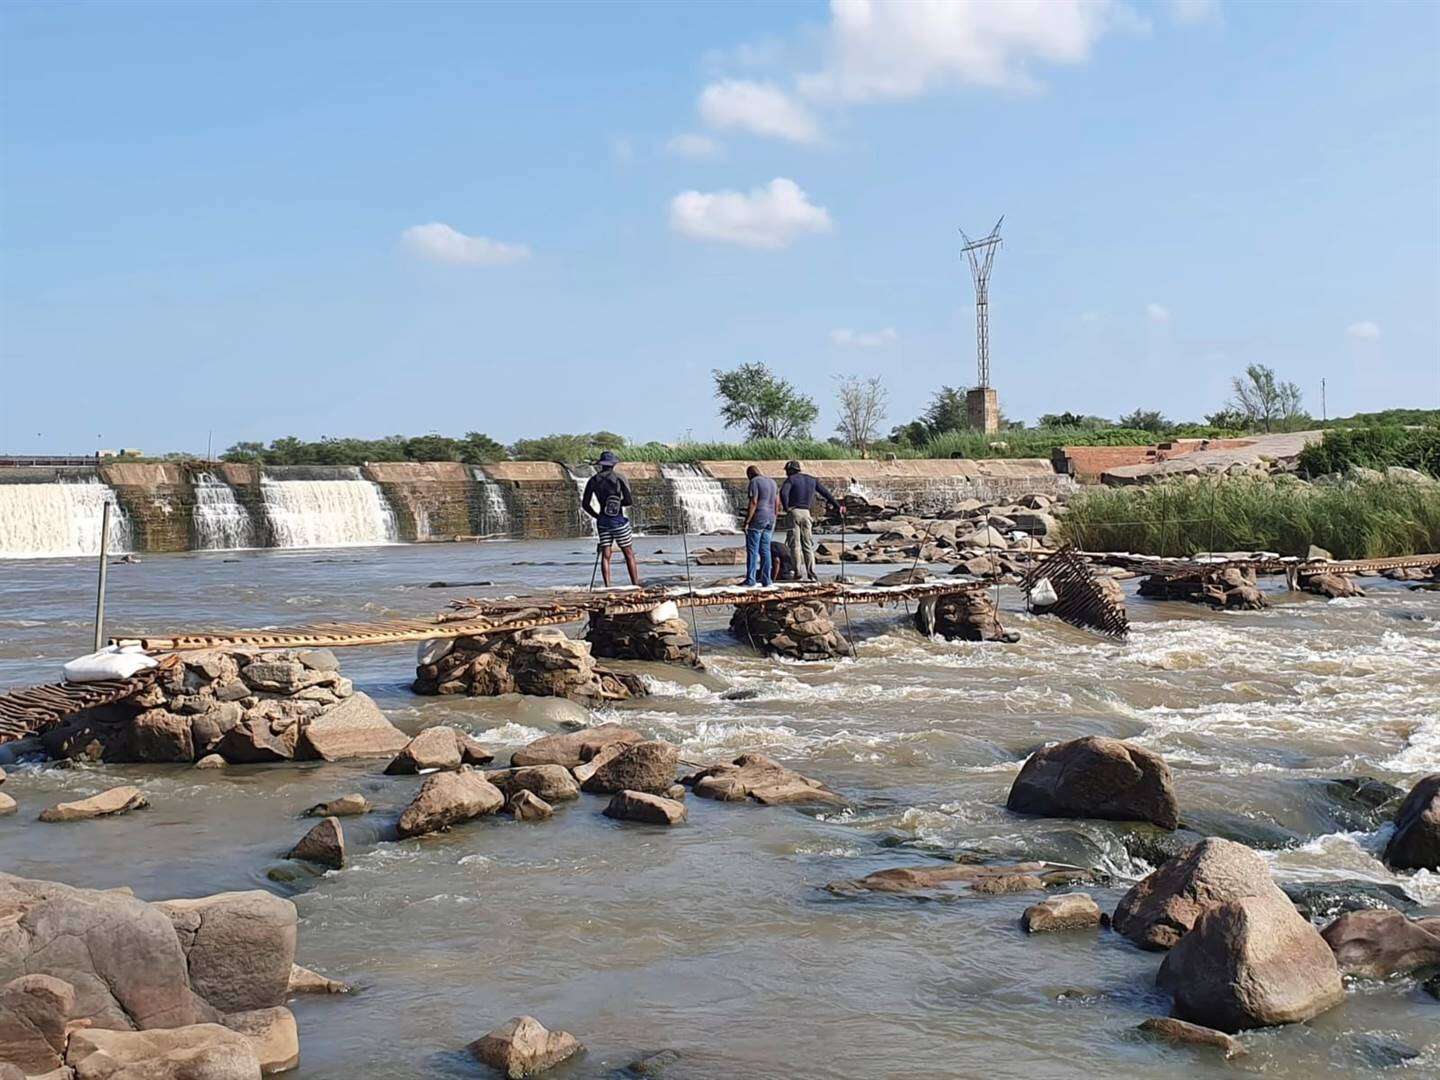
[1233, 587]
[242, 706]
[761, 779]
[798, 630]
[967, 616]
[540, 663]
[107, 985]
[641, 637]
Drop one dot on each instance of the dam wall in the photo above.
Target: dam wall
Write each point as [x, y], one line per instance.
[51, 511]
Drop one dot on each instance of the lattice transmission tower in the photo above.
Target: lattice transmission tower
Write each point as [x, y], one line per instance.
[981, 254]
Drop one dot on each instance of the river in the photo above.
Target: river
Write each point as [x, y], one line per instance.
[717, 939]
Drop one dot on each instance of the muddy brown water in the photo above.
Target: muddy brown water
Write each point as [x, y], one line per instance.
[717, 939]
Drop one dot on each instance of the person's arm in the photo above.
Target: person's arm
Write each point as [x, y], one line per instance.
[587, 496]
[784, 494]
[750, 509]
[778, 509]
[825, 494]
[625, 499]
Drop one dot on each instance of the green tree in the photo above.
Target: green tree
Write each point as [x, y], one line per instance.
[1146, 420]
[766, 406]
[1265, 402]
[432, 447]
[1071, 420]
[479, 449]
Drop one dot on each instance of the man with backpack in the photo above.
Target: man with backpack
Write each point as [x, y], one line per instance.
[610, 493]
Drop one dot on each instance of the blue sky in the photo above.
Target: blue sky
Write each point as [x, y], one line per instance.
[357, 219]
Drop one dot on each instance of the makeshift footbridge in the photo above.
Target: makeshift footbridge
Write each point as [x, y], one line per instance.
[1201, 566]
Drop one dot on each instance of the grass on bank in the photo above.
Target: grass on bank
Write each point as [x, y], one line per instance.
[1351, 520]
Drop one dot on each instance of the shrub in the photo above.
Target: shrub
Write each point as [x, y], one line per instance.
[1374, 447]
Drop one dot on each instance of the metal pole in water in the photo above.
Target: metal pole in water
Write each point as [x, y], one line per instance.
[100, 590]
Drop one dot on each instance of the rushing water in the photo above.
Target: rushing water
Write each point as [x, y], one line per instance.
[702, 500]
[59, 519]
[717, 939]
[221, 522]
[494, 510]
[327, 513]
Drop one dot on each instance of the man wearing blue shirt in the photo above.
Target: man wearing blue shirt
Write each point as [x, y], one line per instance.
[760, 517]
[797, 495]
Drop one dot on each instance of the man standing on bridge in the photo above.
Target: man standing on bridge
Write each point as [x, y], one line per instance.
[611, 494]
[797, 495]
[760, 514]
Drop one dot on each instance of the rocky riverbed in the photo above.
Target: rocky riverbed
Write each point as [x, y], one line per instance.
[710, 944]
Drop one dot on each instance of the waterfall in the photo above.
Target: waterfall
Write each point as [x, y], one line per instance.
[701, 499]
[38, 520]
[587, 523]
[494, 510]
[220, 521]
[327, 513]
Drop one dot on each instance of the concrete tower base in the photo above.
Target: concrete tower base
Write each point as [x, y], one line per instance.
[982, 409]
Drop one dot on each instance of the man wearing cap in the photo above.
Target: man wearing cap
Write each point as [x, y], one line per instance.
[611, 494]
[797, 495]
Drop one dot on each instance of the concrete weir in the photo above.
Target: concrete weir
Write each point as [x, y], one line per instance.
[211, 506]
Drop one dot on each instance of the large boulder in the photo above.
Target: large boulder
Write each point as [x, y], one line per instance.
[1162, 907]
[1096, 777]
[355, 728]
[448, 798]
[119, 954]
[523, 1047]
[1251, 963]
[118, 800]
[1065, 911]
[1416, 843]
[34, 1010]
[194, 1052]
[645, 807]
[239, 946]
[644, 766]
[323, 845]
[1381, 943]
[438, 747]
[553, 783]
[573, 748]
[766, 781]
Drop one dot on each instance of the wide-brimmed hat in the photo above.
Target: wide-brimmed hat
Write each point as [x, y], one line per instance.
[792, 466]
[609, 457]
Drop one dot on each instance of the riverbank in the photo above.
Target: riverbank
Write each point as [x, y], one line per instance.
[683, 938]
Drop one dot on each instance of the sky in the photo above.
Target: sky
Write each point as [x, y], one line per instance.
[227, 221]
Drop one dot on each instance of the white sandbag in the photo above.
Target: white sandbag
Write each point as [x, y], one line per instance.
[664, 612]
[111, 662]
[1043, 594]
[434, 650]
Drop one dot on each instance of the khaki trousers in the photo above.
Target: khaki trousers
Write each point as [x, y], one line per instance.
[801, 542]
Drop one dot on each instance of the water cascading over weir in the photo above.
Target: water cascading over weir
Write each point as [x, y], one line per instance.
[326, 511]
[60, 518]
[702, 501]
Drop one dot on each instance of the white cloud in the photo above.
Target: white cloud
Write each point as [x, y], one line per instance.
[768, 217]
[759, 108]
[439, 242]
[863, 339]
[893, 50]
[692, 145]
[1363, 331]
[1194, 12]
[1157, 313]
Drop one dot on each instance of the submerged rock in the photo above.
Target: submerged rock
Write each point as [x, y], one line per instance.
[194, 1052]
[119, 800]
[1416, 843]
[1252, 962]
[305, 981]
[553, 783]
[438, 747]
[523, 1047]
[899, 879]
[766, 781]
[1096, 777]
[447, 799]
[1067, 911]
[1331, 586]
[323, 845]
[1180, 1031]
[348, 805]
[1322, 901]
[644, 807]
[1165, 905]
[1378, 944]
